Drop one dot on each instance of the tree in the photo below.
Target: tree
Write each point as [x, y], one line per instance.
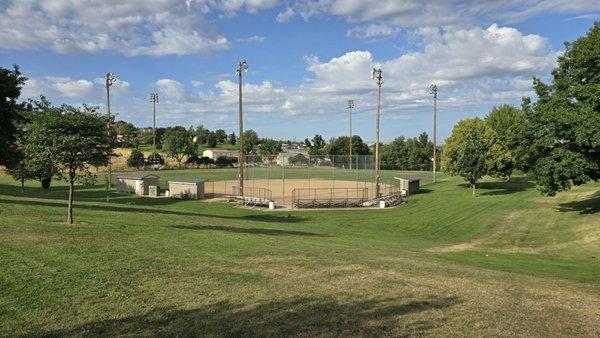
[72, 140]
[338, 149]
[509, 122]
[11, 82]
[201, 134]
[316, 145]
[206, 161]
[221, 135]
[126, 129]
[212, 140]
[269, 149]
[472, 150]
[136, 159]
[232, 139]
[250, 141]
[177, 143]
[565, 120]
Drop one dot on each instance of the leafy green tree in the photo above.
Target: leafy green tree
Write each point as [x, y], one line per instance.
[509, 123]
[11, 82]
[269, 149]
[472, 150]
[136, 159]
[178, 143]
[202, 134]
[212, 140]
[317, 145]
[206, 161]
[72, 140]
[221, 135]
[565, 120]
[232, 139]
[338, 149]
[126, 129]
[250, 141]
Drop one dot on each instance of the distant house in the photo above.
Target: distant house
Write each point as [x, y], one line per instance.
[216, 153]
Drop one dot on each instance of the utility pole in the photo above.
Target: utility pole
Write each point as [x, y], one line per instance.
[433, 90]
[110, 80]
[350, 106]
[154, 100]
[377, 76]
[242, 68]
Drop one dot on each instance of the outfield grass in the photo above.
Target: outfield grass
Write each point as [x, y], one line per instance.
[508, 262]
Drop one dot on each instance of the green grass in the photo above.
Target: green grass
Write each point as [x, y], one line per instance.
[507, 262]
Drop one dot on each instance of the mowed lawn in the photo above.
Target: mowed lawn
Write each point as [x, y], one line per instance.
[507, 262]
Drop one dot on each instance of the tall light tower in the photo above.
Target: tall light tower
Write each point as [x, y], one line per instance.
[154, 100]
[110, 80]
[242, 68]
[377, 76]
[434, 90]
[350, 107]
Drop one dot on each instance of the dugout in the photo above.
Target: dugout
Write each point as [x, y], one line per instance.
[136, 183]
[410, 185]
[192, 189]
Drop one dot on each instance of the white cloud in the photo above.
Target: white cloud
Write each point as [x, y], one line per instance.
[417, 13]
[251, 6]
[373, 31]
[253, 39]
[133, 27]
[72, 88]
[285, 16]
[172, 90]
[196, 83]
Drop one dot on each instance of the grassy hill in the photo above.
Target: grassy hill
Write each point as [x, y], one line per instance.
[508, 262]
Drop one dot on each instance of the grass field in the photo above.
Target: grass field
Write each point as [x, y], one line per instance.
[508, 262]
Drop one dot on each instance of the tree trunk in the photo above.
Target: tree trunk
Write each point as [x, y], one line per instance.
[22, 185]
[71, 191]
[473, 186]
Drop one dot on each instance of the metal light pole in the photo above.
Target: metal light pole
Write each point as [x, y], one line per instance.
[377, 76]
[154, 100]
[242, 67]
[433, 90]
[350, 107]
[110, 80]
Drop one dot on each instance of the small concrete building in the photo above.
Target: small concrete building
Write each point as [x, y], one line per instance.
[216, 153]
[193, 189]
[136, 183]
[410, 185]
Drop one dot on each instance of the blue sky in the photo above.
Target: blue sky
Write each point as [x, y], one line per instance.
[306, 58]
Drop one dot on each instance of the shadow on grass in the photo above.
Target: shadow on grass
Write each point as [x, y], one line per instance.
[130, 209]
[296, 317]
[87, 194]
[515, 185]
[590, 205]
[253, 231]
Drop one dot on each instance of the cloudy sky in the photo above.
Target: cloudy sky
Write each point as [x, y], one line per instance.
[306, 58]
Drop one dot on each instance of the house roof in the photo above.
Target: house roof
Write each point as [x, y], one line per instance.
[137, 176]
[187, 181]
[216, 150]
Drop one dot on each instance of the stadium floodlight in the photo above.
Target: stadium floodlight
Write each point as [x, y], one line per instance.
[242, 68]
[154, 100]
[433, 90]
[377, 75]
[110, 80]
[350, 106]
